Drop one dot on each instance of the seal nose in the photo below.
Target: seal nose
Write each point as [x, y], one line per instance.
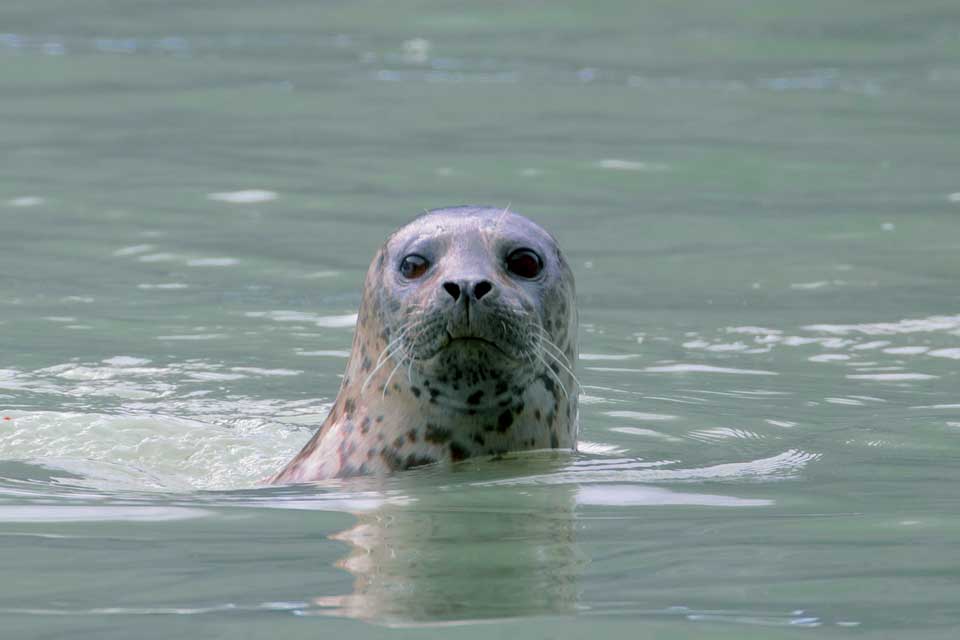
[453, 289]
[476, 289]
[481, 289]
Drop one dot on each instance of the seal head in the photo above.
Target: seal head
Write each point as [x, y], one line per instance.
[465, 345]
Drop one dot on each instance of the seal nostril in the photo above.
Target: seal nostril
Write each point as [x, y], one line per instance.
[453, 289]
[482, 288]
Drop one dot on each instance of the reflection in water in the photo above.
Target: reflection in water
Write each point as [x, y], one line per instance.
[480, 542]
[459, 554]
[491, 544]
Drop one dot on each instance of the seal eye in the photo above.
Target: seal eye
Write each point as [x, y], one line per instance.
[524, 263]
[414, 266]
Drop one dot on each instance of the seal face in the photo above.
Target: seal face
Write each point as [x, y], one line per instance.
[465, 346]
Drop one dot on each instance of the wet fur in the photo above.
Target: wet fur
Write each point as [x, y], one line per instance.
[409, 397]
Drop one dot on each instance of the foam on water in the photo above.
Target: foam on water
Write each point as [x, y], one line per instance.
[156, 422]
[155, 452]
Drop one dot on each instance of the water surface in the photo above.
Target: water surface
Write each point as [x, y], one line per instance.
[761, 204]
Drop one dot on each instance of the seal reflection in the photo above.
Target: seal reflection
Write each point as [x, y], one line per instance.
[461, 554]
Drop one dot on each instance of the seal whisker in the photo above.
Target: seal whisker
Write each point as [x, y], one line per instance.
[416, 330]
[400, 336]
[407, 356]
[550, 343]
[490, 377]
[563, 362]
[553, 374]
[564, 367]
[503, 214]
[398, 349]
[387, 383]
[557, 351]
[389, 351]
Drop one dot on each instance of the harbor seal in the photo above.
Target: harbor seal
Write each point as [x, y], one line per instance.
[465, 346]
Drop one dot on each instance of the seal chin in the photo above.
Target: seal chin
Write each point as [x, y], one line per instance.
[468, 348]
[465, 346]
[474, 342]
[485, 348]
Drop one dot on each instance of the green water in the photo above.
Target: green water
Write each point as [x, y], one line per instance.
[761, 203]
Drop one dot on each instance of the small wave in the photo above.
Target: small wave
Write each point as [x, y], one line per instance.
[686, 368]
[650, 433]
[782, 466]
[912, 325]
[891, 377]
[163, 286]
[346, 321]
[133, 250]
[723, 433]
[638, 495]
[26, 201]
[638, 415]
[96, 513]
[212, 262]
[247, 196]
[150, 452]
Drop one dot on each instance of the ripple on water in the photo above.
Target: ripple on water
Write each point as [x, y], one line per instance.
[646, 433]
[163, 286]
[153, 452]
[329, 353]
[639, 415]
[212, 262]
[910, 325]
[632, 165]
[246, 196]
[784, 465]
[847, 344]
[97, 513]
[723, 433]
[687, 368]
[906, 351]
[639, 495]
[133, 250]
[891, 377]
[346, 321]
[829, 357]
[952, 353]
[26, 201]
[124, 408]
[158, 257]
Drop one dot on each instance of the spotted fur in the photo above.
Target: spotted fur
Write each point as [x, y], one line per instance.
[432, 378]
